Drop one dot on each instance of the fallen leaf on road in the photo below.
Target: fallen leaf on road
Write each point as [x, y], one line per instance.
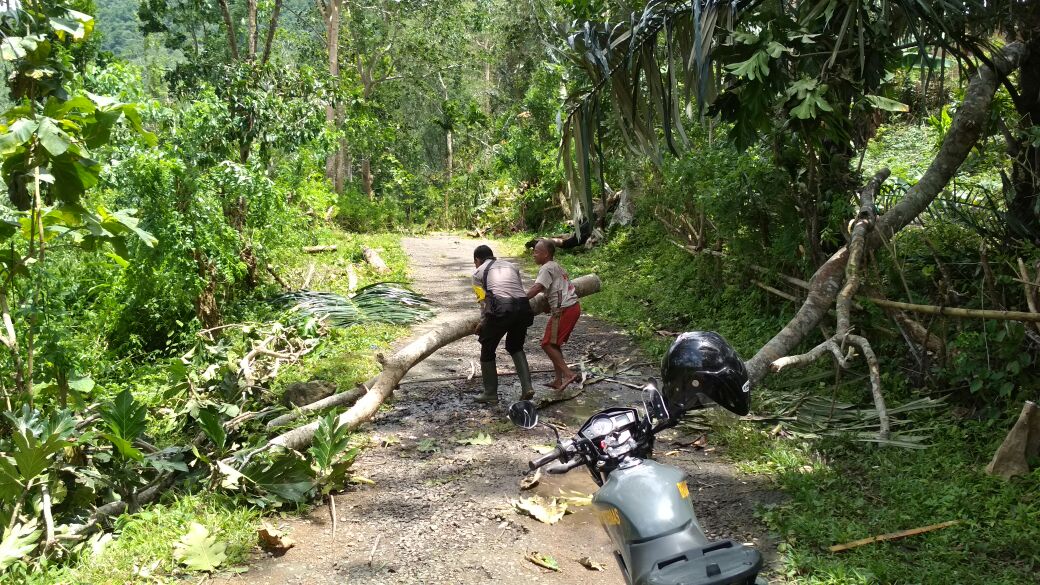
[591, 565]
[548, 512]
[274, 540]
[543, 449]
[543, 560]
[575, 498]
[478, 439]
[532, 480]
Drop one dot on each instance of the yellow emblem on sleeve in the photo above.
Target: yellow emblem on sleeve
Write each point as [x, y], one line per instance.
[479, 292]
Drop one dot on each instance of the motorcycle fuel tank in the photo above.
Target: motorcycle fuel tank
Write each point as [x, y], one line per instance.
[644, 501]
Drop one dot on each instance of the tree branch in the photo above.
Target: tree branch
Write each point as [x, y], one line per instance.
[230, 25]
[270, 32]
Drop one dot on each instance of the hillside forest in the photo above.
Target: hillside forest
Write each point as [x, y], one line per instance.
[847, 191]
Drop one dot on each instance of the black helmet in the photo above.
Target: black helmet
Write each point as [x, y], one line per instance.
[701, 368]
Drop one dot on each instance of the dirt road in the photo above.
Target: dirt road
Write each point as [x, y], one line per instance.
[438, 510]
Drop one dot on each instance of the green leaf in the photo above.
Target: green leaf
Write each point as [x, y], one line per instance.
[18, 542]
[125, 416]
[478, 439]
[125, 447]
[212, 424]
[11, 485]
[17, 134]
[288, 477]
[330, 440]
[199, 550]
[53, 139]
[883, 103]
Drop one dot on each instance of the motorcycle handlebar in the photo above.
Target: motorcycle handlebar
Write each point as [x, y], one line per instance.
[559, 469]
[544, 459]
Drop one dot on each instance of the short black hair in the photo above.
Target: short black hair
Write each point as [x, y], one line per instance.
[482, 253]
[549, 246]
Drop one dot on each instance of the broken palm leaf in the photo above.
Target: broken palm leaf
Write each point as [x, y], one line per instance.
[380, 303]
[536, 507]
[199, 550]
[543, 560]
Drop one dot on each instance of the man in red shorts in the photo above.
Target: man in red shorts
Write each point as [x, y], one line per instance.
[564, 310]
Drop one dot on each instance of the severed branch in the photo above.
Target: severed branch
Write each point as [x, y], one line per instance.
[838, 344]
[967, 127]
[373, 258]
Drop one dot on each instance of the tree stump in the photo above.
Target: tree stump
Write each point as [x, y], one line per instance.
[1020, 445]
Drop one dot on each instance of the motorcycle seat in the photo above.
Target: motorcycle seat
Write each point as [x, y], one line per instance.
[725, 562]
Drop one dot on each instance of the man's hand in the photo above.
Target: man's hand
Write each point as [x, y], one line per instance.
[478, 327]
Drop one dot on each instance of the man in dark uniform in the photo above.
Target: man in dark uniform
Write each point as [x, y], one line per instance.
[504, 312]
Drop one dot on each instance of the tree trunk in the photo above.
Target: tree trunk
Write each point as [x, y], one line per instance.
[251, 26]
[272, 26]
[230, 26]
[1024, 199]
[451, 154]
[366, 178]
[970, 120]
[332, 110]
[406, 358]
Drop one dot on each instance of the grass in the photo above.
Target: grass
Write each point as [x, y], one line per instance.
[145, 541]
[838, 490]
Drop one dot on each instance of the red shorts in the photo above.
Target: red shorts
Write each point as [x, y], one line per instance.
[558, 329]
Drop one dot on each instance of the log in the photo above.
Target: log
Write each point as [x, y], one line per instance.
[373, 258]
[318, 249]
[397, 365]
[1020, 445]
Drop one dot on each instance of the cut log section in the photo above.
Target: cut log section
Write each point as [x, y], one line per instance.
[397, 365]
[373, 258]
[319, 249]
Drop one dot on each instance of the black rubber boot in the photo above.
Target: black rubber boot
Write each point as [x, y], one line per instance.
[523, 371]
[489, 375]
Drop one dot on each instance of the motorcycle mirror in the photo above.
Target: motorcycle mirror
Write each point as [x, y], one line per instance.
[523, 414]
[653, 401]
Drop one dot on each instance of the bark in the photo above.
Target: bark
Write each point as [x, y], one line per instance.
[397, 365]
[332, 110]
[375, 260]
[251, 28]
[230, 26]
[366, 178]
[342, 399]
[273, 26]
[970, 120]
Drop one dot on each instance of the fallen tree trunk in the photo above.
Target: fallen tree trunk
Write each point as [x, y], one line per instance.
[968, 123]
[397, 365]
[319, 249]
[373, 258]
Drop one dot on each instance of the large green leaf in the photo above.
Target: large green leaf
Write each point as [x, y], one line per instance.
[199, 550]
[125, 416]
[53, 139]
[889, 105]
[11, 484]
[286, 476]
[17, 134]
[212, 424]
[329, 441]
[18, 542]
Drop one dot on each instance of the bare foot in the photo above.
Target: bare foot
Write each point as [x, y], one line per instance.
[555, 384]
[568, 381]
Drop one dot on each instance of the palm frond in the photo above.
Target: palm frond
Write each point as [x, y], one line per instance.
[382, 302]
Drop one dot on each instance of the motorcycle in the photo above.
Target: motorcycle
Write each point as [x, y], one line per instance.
[645, 506]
